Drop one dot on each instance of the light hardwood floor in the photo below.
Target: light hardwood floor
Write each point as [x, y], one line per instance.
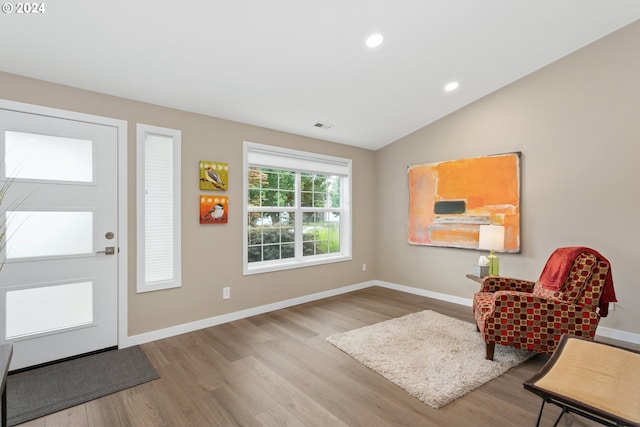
[277, 369]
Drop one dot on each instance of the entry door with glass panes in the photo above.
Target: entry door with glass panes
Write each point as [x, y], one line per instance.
[58, 283]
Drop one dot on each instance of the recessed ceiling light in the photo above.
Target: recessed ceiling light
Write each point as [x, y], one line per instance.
[374, 40]
[451, 86]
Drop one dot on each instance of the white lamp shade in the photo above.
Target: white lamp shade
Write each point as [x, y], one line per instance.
[491, 237]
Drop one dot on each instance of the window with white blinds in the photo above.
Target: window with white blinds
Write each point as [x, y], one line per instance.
[297, 208]
[158, 212]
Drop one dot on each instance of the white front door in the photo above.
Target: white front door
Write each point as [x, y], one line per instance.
[59, 281]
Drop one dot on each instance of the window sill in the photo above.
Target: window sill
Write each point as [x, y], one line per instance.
[267, 267]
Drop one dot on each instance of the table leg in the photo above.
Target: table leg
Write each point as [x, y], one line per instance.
[4, 407]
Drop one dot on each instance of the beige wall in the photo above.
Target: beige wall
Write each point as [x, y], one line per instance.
[206, 271]
[577, 123]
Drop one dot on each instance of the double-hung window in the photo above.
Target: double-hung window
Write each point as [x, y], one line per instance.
[297, 208]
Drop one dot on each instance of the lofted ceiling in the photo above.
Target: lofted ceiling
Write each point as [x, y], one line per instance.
[289, 64]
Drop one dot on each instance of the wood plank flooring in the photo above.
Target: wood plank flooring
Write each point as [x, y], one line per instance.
[277, 369]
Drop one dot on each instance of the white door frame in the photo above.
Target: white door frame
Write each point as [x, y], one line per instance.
[121, 126]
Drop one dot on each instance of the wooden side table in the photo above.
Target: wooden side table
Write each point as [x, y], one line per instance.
[475, 278]
[6, 351]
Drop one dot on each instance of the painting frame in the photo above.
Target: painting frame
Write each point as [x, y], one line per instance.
[214, 175]
[449, 200]
[214, 209]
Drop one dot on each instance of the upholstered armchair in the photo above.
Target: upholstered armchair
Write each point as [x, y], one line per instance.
[567, 299]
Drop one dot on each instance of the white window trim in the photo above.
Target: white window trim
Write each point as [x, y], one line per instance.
[260, 155]
[142, 131]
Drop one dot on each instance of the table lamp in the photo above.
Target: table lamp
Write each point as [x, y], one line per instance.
[492, 239]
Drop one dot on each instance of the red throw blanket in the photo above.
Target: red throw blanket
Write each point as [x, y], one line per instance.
[557, 268]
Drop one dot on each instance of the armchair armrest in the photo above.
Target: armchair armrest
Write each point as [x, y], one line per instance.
[497, 283]
[519, 302]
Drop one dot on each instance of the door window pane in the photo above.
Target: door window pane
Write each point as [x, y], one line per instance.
[48, 158]
[43, 233]
[52, 308]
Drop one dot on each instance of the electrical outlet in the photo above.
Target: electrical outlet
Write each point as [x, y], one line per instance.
[364, 267]
[226, 292]
[612, 306]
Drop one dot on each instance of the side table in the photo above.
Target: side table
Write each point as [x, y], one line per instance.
[475, 278]
[6, 351]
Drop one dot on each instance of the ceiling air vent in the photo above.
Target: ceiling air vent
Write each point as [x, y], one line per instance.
[323, 125]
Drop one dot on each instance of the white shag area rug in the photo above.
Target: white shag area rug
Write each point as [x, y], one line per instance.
[433, 357]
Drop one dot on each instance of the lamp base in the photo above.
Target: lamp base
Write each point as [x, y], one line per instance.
[493, 264]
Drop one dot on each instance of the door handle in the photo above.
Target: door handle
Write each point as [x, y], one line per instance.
[109, 250]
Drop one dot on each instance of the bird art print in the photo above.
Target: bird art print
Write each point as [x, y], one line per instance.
[213, 175]
[214, 209]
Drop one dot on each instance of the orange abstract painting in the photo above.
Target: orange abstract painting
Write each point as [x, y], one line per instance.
[448, 201]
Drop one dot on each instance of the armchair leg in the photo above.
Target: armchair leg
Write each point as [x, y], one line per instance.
[490, 348]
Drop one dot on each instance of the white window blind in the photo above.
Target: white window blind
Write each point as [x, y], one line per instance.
[283, 158]
[158, 208]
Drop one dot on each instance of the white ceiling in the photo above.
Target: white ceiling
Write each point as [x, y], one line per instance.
[288, 64]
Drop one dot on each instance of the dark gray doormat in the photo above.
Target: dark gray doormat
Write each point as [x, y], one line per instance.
[42, 391]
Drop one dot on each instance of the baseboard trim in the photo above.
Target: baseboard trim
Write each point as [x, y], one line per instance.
[424, 293]
[242, 314]
[617, 334]
[602, 331]
[237, 315]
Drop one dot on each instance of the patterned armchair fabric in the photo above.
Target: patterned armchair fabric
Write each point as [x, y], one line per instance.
[527, 315]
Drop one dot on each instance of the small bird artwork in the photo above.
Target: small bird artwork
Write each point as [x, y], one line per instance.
[212, 176]
[216, 213]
